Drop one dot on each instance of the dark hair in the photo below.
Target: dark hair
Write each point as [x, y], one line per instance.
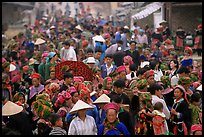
[133, 42]
[158, 106]
[66, 43]
[53, 118]
[98, 50]
[119, 83]
[153, 64]
[195, 97]
[116, 98]
[132, 67]
[153, 87]
[109, 56]
[141, 71]
[183, 69]
[175, 62]
[89, 50]
[119, 42]
[68, 75]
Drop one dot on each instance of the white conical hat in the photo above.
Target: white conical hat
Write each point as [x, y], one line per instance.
[79, 106]
[199, 88]
[39, 41]
[79, 27]
[52, 27]
[102, 99]
[31, 61]
[126, 27]
[99, 38]
[12, 67]
[11, 108]
[163, 21]
[93, 93]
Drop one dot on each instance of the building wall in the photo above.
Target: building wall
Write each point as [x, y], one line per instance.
[186, 16]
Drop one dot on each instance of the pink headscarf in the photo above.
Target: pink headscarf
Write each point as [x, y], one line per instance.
[128, 59]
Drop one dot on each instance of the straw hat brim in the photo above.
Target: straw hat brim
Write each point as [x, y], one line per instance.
[199, 88]
[11, 108]
[102, 99]
[39, 41]
[32, 61]
[99, 38]
[93, 93]
[80, 105]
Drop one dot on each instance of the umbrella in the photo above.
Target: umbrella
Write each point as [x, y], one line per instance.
[78, 67]
[86, 34]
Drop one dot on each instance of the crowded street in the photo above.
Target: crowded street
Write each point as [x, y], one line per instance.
[101, 68]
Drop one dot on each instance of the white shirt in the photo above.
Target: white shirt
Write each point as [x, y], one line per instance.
[174, 80]
[71, 54]
[142, 39]
[128, 76]
[109, 69]
[86, 127]
[157, 75]
[156, 99]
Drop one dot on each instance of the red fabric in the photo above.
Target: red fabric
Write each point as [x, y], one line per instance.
[168, 41]
[179, 42]
[175, 129]
[189, 50]
[84, 43]
[35, 75]
[196, 127]
[25, 68]
[16, 78]
[120, 69]
[158, 125]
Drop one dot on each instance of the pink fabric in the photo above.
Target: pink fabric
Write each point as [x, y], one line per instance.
[16, 78]
[196, 127]
[112, 106]
[128, 59]
[120, 69]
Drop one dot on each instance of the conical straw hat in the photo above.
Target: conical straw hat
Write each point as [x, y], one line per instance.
[79, 106]
[199, 88]
[79, 27]
[102, 99]
[39, 41]
[31, 61]
[11, 108]
[93, 93]
[12, 67]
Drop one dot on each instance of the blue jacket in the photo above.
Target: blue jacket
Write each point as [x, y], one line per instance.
[104, 70]
[120, 129]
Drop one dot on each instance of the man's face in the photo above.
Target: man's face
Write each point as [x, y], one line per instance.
[97, 55]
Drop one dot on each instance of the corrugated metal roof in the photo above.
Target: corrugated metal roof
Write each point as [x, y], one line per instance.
[26, 4]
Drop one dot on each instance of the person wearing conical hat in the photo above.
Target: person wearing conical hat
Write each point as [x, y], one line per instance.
[18, 120]
[82, 124]
[100, 102]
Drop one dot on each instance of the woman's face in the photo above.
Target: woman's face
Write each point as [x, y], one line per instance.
[109, 84]
[21, 99]
[52, 75]
[75, 97]
[172, 64]
[178, 93]
[35, 82]
[68, 102]
[111, 115]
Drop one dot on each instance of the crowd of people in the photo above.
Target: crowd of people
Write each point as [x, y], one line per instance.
[144, 82]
